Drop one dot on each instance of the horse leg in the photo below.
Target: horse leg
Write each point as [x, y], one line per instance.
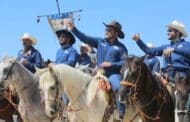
[110, 108]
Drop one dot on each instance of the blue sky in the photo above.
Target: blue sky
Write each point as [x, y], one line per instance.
[148, 17]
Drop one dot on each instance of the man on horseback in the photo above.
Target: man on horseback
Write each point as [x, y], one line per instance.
[176, 55]
[29, 56]
[84, 58]
[176, 64]
[67, 54]
[110, 54]
[152, 61]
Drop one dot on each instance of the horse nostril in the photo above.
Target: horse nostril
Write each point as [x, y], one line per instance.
[52, 112]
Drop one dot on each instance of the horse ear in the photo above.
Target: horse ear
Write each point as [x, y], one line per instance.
[141, 59]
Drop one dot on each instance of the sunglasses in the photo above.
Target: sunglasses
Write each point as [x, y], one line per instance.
[172, 30]
[108, 30]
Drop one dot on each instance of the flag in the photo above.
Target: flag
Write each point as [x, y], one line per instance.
[57, 21]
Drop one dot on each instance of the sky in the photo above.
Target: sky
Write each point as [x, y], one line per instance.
[148, 17]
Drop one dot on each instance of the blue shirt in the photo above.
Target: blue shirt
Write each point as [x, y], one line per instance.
[179, 58]
[84, 59]
[67, 55]
[153, 63]
[114, 53]
[33, 57]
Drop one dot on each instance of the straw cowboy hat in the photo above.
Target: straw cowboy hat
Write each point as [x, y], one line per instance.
[28, 36]
[178, 26]
[86, 46]
[117, 26]
[69, 34]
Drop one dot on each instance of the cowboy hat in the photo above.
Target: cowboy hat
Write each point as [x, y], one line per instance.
[67, 33]
[86, 46]
[116, 26]
[178, 26]
[28, 36]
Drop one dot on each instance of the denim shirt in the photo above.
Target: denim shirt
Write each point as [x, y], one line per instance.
[67, 55]
[179, 58]
[114, 53]
[33, 57]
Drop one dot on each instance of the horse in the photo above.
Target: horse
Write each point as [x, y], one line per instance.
[182, 97]
[31, 106]
[86, 101]
[153, 102]
[7, 110]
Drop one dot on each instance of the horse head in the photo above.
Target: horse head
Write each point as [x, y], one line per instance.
[6, 67]
[131, 71]
[51, 88]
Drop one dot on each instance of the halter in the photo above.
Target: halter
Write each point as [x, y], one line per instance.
[8, 74]
[56, 100]
[134, 85]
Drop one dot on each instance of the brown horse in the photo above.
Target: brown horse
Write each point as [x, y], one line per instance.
[7, 110]
[146, 92]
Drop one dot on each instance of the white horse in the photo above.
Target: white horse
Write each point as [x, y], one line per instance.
[81, 90]
[31, 107]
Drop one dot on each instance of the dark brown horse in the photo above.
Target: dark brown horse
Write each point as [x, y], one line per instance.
[145, 91]
[7, 110]
[182, 96]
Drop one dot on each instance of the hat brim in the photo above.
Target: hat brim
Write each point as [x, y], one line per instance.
[86, 47]
[184, 33]
[30, 38]
[65, 32]
[120, 35]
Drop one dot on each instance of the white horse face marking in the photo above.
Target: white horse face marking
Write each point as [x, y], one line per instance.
[52, 94]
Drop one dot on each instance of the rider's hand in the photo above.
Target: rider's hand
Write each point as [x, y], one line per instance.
[105, 64]
[23, 61]
[136, 37]
[167, 52]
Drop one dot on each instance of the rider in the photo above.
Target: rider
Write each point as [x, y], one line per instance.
[84, 58]
[29, 56]
[152, 61]
[110, 53]
[67, 54]
[176, 55]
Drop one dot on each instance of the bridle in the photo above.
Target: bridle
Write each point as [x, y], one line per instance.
[131, 84]
[8, 74]
[133, 97]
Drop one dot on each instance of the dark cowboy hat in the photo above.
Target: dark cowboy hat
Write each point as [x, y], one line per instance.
[67, 33]
[116, 26]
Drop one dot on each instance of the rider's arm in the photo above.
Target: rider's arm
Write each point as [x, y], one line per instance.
[155, 51]
[93, 41]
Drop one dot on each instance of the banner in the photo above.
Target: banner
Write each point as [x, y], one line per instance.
[57, 21]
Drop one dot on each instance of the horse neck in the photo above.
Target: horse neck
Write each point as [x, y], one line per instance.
[74, 83]
[148, 85]
[26, 85]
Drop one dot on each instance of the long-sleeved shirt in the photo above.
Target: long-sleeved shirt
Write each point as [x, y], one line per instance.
[179, 58]
[106, 52]
[84, 59]
[67, 55]
[33, 58]
[153, 63]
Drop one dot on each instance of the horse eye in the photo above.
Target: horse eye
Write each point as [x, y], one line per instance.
[52, 87]
[5, 70]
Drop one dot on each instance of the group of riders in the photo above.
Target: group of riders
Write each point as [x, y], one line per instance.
[111, 53]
